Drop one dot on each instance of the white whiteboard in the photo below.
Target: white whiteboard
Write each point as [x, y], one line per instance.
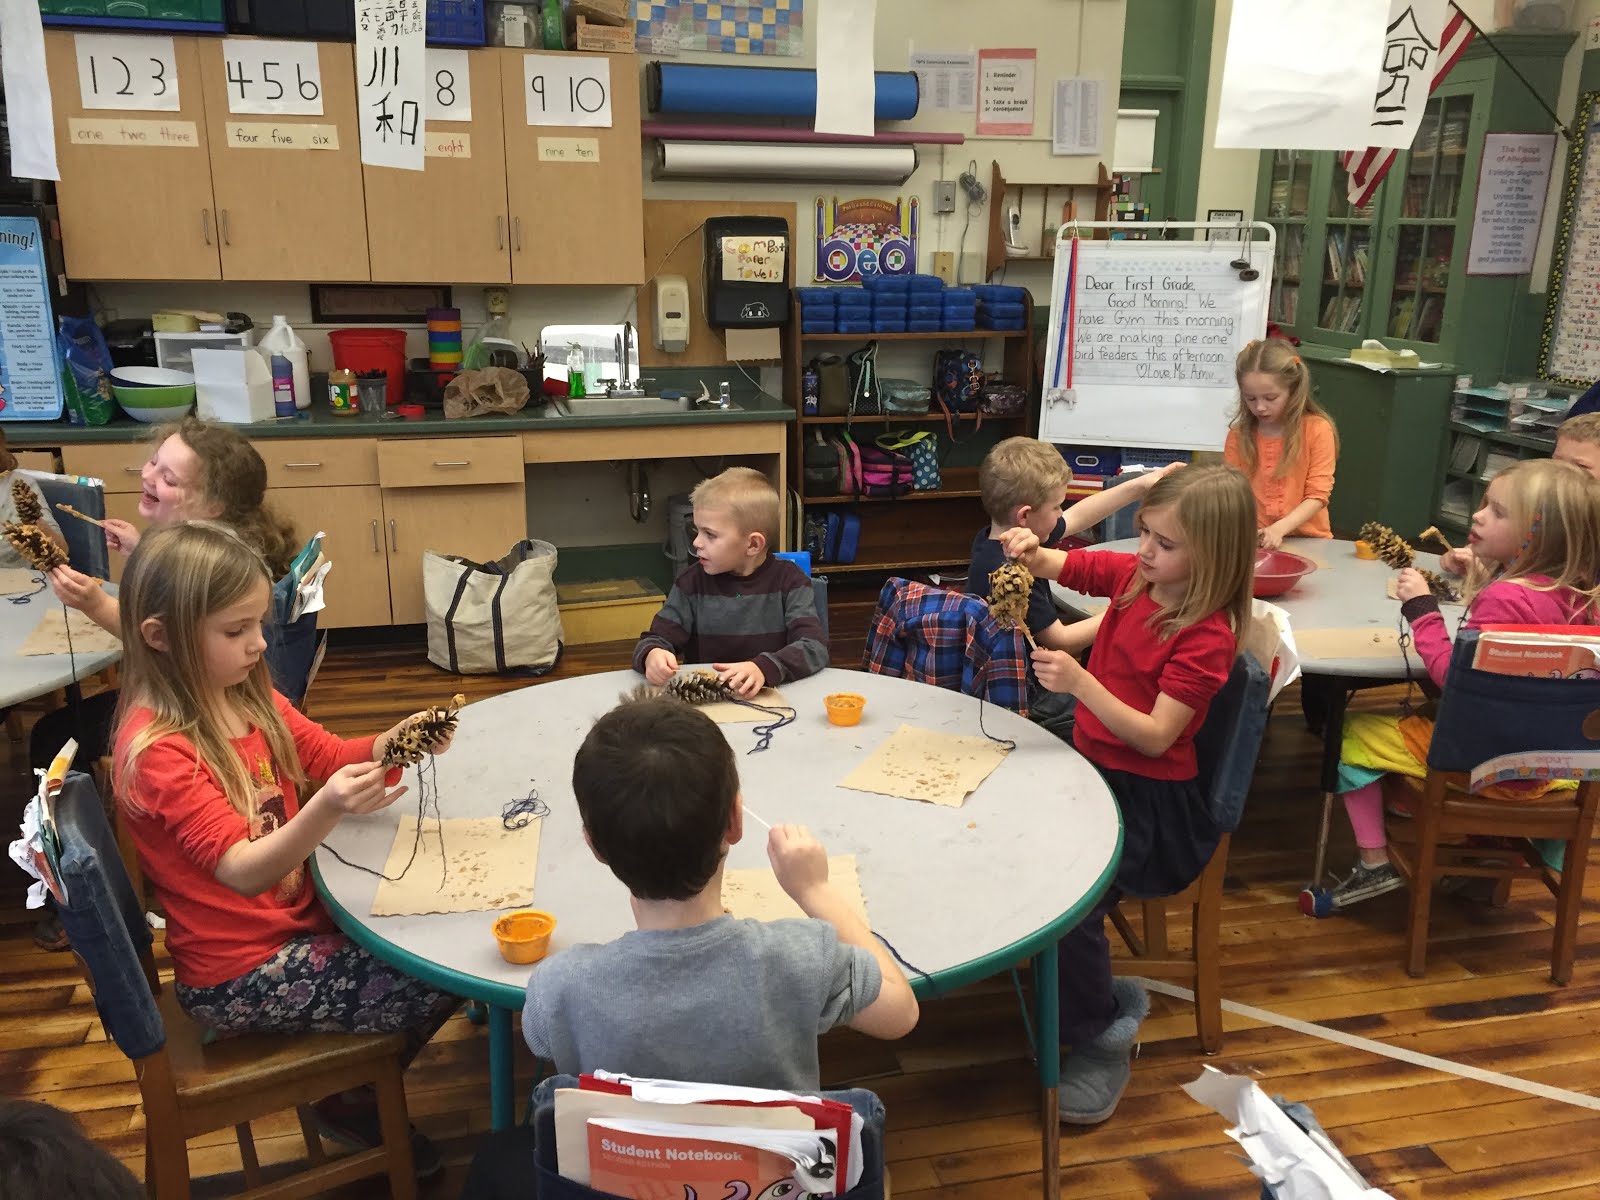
[1150, 336]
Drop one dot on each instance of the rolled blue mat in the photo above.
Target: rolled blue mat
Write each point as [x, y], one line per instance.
[763, 91]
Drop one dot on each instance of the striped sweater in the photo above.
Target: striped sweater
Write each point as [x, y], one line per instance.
[768, 617]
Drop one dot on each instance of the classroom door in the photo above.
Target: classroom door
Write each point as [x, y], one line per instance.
[1155, 188]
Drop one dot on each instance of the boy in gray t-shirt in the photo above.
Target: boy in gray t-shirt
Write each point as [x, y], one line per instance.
[693, 993]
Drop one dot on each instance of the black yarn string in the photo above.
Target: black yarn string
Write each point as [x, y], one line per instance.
[999, 741]
[782, 715]
[74, 692]
[901, 959]
[524, 811]
[424, 787]
[27, 597]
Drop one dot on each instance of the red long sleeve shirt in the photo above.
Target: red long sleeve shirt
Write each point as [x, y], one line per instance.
[184, 826]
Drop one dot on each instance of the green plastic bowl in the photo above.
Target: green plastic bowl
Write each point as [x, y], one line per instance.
[155, 404]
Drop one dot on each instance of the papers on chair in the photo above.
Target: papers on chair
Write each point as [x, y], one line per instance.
[38, 850]
[306, 575]
[758, 1115]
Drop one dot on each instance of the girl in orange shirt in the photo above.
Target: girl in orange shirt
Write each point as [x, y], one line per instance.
[1284, 443]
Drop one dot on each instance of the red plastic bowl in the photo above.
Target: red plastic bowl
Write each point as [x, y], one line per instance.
[1277, 571]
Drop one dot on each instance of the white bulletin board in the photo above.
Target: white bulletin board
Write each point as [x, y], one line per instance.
[1143, 334]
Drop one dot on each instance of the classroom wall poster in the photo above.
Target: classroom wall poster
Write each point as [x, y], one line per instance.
[391, 82]
[1005, 92]
[1513, 177]
[30, 373]
[863, 237]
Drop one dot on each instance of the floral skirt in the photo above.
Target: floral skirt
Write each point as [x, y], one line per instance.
[321, 983]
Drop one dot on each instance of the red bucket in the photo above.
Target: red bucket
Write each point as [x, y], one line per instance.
[383, 350]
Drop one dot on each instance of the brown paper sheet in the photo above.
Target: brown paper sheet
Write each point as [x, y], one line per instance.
[754, 345]
[1367, 642]
[49, 636]
[1390, 587]
[490, 867]
[724, 712]
[16, 580]
[923, 764]
[756, 892]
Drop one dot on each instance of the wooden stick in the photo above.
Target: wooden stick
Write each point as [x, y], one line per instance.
[82, 516]
[1027, 633]
[1431, 533]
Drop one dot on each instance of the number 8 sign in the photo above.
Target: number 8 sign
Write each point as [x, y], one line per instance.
[138, 73]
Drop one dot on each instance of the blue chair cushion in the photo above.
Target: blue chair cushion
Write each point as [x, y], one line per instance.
[105, 919]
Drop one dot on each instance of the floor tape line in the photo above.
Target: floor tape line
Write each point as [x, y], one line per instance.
[1416, 1059]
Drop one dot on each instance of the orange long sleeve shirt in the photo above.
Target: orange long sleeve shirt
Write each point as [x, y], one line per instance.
[1309, 479]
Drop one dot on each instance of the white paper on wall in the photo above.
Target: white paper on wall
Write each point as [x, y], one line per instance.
[30, 116]
[391, 79]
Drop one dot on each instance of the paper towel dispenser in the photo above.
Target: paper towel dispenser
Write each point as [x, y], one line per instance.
[746, 272]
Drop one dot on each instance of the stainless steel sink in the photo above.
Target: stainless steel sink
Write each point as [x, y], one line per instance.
[619, 406]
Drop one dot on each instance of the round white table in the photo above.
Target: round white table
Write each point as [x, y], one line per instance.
[25, 676]
[963, 893]
[1331, 611]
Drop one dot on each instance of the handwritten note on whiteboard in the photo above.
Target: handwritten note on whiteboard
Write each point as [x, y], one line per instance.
[391, 79]
[1154, 322]
[134, 72]
[1513, 177]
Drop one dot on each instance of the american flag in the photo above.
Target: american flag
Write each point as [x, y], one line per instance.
[1367, 167]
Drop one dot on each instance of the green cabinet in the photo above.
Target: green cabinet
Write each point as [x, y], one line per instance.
[1395, 268]
[1392, 441]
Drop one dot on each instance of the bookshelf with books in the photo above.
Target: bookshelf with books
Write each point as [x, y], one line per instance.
[1395, 268]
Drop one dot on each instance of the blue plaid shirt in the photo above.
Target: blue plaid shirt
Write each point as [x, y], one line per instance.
[948, 639]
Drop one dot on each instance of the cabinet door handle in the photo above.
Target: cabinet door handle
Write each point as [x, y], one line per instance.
[499, 233]
[516, 234]
[222, 215]
[310, 466]
[394, 541]
[205, 225]
[465, 462]
[374, 535]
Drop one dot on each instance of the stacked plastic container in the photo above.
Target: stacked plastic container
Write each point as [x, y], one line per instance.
[818, 313]
[1001, 308]
[444, 341]
[854, 306]
[958, 309]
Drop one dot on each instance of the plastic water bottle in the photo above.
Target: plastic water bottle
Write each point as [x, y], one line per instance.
[282, 386]
[810, 390]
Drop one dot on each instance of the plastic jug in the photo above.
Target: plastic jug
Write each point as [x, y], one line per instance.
[280, 339]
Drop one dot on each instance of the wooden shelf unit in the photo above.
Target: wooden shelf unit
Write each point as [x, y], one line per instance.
[999, 186]
[921, 530]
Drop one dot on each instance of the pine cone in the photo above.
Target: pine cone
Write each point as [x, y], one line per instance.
[1441, 587]
[417, 736]
[29, 510]
[1387, 545]
[698, 687]
[1010, 586]
[36, 549]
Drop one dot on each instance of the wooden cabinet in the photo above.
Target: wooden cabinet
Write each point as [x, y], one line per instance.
[357, 588]
[460, 495]
[575, 222]
[472, 244]
[133, 211]
[288, 214]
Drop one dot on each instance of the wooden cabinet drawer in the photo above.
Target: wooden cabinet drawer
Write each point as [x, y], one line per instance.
[320, 462]
[450, 462]
[118, 463]
[38, 460]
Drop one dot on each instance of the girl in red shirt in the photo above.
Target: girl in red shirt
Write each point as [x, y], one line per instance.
[1284, 442]
[207, 766]
[1165, 649]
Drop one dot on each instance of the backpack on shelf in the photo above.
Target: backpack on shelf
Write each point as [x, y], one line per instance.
[865, 400]
[958, 381]
[884, 473]
[922, 448]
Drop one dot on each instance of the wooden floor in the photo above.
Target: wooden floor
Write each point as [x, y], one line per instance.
[960, 1092]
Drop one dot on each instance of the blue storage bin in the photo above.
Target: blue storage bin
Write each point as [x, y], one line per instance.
[888, 324]
[456, 23]
[819, 325]
[925, 325]
[959, 294]
[855, 326]
[1139, 456]
[895, 306]
[957, 323]
[1092, 460]
[1005, 312]
[817, 297]
[886, 283]
[925, 312]
[925, 283]
[1001, 293]
[852, 298]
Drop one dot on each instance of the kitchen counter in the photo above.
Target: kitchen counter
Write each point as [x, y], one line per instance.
[319, 422]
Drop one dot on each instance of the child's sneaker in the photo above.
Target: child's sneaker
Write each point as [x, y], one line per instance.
[1363, 883]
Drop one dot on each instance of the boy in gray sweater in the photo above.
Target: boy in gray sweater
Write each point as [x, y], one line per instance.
[693, 993]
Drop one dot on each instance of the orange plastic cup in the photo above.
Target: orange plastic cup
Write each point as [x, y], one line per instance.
[1365, 552]
[524, 936]
[844, 708]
